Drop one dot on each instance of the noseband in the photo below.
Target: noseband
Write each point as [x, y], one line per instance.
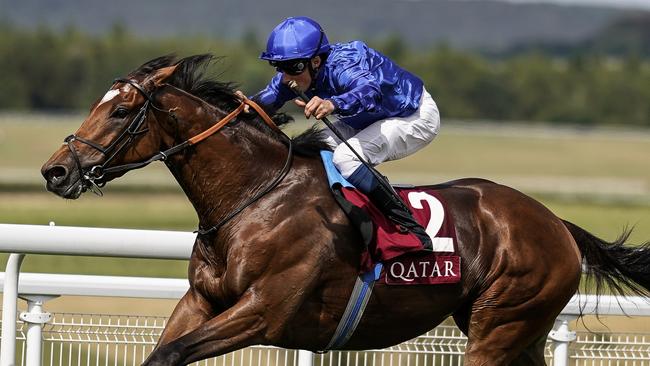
[91, 178]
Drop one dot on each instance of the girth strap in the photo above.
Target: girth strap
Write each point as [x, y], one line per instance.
[355, 308]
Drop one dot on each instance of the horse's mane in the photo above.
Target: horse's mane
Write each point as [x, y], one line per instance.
[191, 76]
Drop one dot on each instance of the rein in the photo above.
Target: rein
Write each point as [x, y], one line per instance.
[98, 172]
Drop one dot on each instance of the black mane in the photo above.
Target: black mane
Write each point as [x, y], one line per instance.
[191, 76]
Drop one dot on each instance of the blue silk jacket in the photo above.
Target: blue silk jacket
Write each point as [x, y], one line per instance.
[364, 85]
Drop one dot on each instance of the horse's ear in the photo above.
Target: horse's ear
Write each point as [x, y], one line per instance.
[161, 75]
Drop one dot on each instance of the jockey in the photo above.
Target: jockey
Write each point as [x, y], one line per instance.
[383, 111]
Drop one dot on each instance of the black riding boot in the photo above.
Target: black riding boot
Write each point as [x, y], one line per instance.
[392, 206]
[377, 188]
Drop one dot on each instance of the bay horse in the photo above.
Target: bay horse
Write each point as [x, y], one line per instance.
[276, 258]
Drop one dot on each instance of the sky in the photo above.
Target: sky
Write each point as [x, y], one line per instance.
[630, 4]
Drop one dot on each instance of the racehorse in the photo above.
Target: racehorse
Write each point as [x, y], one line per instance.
[276, 258]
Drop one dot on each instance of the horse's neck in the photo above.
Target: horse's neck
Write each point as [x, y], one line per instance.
[226, 169]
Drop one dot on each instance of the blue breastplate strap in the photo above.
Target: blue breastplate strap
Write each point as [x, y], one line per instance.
[364, 284]
[355, 308]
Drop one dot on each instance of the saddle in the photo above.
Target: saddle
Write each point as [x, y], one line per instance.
[400, 252]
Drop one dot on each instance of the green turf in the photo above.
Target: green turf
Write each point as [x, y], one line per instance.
[488, 155]
[487, 150]
[154, 211]
[606, 221]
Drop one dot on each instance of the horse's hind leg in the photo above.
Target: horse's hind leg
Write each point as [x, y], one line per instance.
[531, 267]
[533, 355]
[508, 336]
[510, 319]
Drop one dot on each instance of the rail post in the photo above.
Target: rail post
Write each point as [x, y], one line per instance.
[305, 358]
[34, 317]
[9, 307]
[562, 336]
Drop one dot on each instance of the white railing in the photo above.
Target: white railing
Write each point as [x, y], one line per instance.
[443, 345]
[39, 239]
[67, 240]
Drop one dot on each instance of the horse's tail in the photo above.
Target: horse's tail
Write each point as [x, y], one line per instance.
[614, 265]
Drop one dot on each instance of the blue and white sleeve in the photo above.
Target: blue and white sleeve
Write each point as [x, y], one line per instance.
[361, 92]
[274, 95]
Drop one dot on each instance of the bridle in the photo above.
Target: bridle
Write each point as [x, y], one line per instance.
[91, 178]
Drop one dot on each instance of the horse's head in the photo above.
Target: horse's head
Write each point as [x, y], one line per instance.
[120, 133]
[159, 110]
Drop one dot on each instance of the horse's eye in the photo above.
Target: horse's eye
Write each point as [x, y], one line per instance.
[120, 112]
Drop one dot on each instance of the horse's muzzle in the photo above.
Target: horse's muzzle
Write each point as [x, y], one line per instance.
[62, 181]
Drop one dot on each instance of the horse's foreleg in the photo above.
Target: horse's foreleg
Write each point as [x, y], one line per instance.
[240, 326]
[190, 312]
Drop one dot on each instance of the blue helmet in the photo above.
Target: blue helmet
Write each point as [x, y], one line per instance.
[295, 38]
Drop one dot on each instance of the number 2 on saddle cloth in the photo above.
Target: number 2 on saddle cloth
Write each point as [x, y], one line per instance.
[404, 263]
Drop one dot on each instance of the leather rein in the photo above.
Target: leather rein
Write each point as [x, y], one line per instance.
[91, 178]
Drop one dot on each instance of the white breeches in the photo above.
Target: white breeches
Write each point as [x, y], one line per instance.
[387, 139]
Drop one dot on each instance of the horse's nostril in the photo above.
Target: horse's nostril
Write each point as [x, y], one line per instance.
[56, 174]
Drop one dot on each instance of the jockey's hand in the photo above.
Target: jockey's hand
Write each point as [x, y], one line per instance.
[316, 107]
[243, 97]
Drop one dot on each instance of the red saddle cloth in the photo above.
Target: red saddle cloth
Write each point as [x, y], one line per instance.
[404, 261]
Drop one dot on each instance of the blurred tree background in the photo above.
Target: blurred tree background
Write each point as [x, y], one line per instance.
[601, 83]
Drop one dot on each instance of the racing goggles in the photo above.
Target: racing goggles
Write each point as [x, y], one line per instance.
[291, 67]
